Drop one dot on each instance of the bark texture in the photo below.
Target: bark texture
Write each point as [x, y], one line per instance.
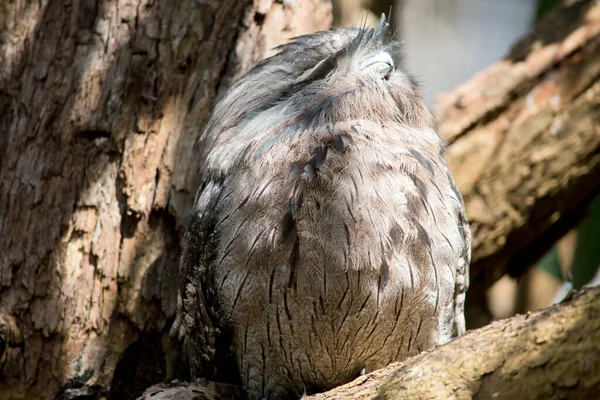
[525, 142]
[101, 102]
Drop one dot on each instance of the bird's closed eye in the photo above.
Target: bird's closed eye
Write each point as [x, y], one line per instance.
[380, 63]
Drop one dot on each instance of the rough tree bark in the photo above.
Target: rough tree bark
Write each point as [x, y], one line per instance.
[100, 103]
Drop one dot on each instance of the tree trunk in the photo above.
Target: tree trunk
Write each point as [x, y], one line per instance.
[101, 102]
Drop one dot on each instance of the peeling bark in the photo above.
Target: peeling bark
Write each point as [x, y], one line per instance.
[525, 142]
[101, 103]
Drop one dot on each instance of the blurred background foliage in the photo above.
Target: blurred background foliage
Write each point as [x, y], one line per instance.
[445, 42]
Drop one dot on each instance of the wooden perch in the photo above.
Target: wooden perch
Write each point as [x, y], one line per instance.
[525, 142]
[553, 353]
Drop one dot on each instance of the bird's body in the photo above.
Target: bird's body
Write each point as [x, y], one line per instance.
[328, 236]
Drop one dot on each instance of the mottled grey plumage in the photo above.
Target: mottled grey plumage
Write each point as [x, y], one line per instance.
[328, 235]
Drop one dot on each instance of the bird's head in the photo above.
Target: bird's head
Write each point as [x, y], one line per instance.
[337, 74]
[317, 81]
